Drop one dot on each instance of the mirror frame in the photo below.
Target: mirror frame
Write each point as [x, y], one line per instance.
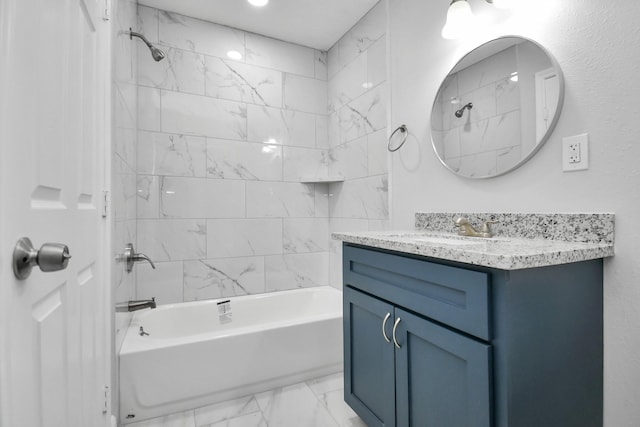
[539, 143]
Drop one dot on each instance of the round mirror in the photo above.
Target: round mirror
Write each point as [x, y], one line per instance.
[496, 107]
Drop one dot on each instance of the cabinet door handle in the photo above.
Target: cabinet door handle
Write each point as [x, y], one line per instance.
[384, 323]
[395, 326]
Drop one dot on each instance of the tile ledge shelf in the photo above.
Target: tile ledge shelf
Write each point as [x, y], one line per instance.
[321, 180]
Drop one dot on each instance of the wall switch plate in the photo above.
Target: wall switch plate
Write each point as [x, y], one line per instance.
[575, 153]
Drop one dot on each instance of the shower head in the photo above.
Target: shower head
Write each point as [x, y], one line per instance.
[459, 112]
[157, 54]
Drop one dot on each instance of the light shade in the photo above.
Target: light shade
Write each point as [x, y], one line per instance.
[459, 20]
[259, 3]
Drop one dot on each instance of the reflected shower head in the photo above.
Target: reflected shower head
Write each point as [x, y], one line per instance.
[157, 54]
[459, 112]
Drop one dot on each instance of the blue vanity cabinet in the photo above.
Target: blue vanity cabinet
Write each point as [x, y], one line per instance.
[442, 378]
[371, 389]
[432, 343]
[419, 375]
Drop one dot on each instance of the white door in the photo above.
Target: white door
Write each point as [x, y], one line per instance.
[54, 351]
[547, 86]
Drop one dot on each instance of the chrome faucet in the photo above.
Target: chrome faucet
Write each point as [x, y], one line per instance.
[130, 257]
[466, 229]
[135, 305]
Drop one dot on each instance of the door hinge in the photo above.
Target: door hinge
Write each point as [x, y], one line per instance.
[107, 10]
[107, 399]
[105, 204]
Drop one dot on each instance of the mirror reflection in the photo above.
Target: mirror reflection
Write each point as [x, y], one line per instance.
[496, 107]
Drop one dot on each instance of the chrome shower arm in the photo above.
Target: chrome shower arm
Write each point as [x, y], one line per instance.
[133, 34]
[157, 54]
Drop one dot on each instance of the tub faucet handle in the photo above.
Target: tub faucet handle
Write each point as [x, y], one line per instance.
[142, 257]
[130, 257]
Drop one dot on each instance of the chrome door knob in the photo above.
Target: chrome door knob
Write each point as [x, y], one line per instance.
[50, 257]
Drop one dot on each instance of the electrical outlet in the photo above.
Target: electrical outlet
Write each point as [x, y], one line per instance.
[575, 153]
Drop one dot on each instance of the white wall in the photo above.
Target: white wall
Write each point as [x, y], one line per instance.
[596, 44]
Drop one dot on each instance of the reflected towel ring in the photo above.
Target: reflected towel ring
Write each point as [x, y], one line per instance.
[404, 130]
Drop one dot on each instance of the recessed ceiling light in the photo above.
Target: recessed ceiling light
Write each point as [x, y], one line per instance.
[258, 3]
[234, 54]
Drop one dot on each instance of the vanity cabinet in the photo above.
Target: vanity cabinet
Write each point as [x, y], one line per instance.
[432, 343]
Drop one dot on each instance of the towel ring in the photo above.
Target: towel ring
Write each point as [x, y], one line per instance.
[403, 129]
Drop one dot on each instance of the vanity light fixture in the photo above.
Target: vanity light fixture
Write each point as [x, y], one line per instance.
[460, 19]
[258, 3]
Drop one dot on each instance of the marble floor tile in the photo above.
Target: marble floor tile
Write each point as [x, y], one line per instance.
[250, 420]
[323, 385]
[294, 406]
[224, 411]
[330, 392]
[339, 410]
[315, 403]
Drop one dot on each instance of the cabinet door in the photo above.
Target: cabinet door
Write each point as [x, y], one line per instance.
[369, 385]
[442, 377]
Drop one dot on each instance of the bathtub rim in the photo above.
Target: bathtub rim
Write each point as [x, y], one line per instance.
[134, 343]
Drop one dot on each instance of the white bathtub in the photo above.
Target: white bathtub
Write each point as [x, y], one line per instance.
[192, 358]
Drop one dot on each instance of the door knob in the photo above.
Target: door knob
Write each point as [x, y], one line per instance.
[50, 257]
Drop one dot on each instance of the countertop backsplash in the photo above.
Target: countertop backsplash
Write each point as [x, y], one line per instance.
[570, 227]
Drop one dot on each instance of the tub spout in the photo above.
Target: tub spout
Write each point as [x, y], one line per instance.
[135, 305]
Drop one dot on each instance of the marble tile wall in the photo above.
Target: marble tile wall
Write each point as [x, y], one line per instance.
[223, 148]
[486, 138]
[123, 169]
[357, 123]
[123, 161]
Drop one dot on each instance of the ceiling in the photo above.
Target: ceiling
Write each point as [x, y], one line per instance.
[313, 23]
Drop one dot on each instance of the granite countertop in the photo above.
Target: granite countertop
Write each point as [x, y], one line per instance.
[580, 237]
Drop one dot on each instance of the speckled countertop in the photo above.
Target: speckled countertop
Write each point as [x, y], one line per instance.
[521, 241]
